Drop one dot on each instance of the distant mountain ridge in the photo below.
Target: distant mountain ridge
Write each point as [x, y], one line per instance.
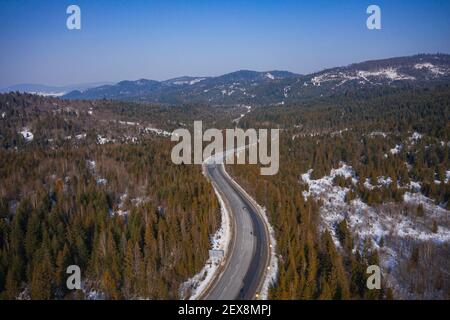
[278, 87]
[186, 89]
[46, 90]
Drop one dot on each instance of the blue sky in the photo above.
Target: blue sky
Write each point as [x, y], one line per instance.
[128, 39]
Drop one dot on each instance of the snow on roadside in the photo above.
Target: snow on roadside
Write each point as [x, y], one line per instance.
[219, 241]
[272, 272]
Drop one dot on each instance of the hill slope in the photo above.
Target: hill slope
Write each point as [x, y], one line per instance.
[278, 87]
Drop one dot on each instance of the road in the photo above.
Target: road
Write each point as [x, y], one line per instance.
[248, 256]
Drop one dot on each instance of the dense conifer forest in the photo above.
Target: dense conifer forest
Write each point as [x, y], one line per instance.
[400, 135]
[121, 211]
[92, 183]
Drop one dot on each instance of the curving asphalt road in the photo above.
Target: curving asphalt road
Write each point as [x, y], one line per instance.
[248, 256]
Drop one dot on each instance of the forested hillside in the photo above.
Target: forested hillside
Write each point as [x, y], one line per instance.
[280, 87]
[364, 179]
[78, 187]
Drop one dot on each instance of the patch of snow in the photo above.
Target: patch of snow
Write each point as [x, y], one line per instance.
[227, 93]
[49, 94]
[415, 137]
[91, 164]
[361, 76]
[249, 109]
[131, 139]
[95, 295]
[103, 140]
[377, 133]
[270, 76]
[3, 115]
[120, 209]
[384, 181]
[27, 134]
[129, 123]
[437, 71]
[238, 119]
[396, 150]
[389, 73]
[415, 186]
[189, 82]
[139, 200]
[158, 132]
[102, 181]
[374, 222]
[338, 133]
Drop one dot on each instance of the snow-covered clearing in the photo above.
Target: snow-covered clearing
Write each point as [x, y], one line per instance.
[436, 70]
[374, 222]
[362, 76]
[391, 227]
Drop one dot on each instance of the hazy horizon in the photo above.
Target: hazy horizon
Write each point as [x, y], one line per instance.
[200, 76]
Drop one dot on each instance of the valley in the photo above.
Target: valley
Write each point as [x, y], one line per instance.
[363, 180]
